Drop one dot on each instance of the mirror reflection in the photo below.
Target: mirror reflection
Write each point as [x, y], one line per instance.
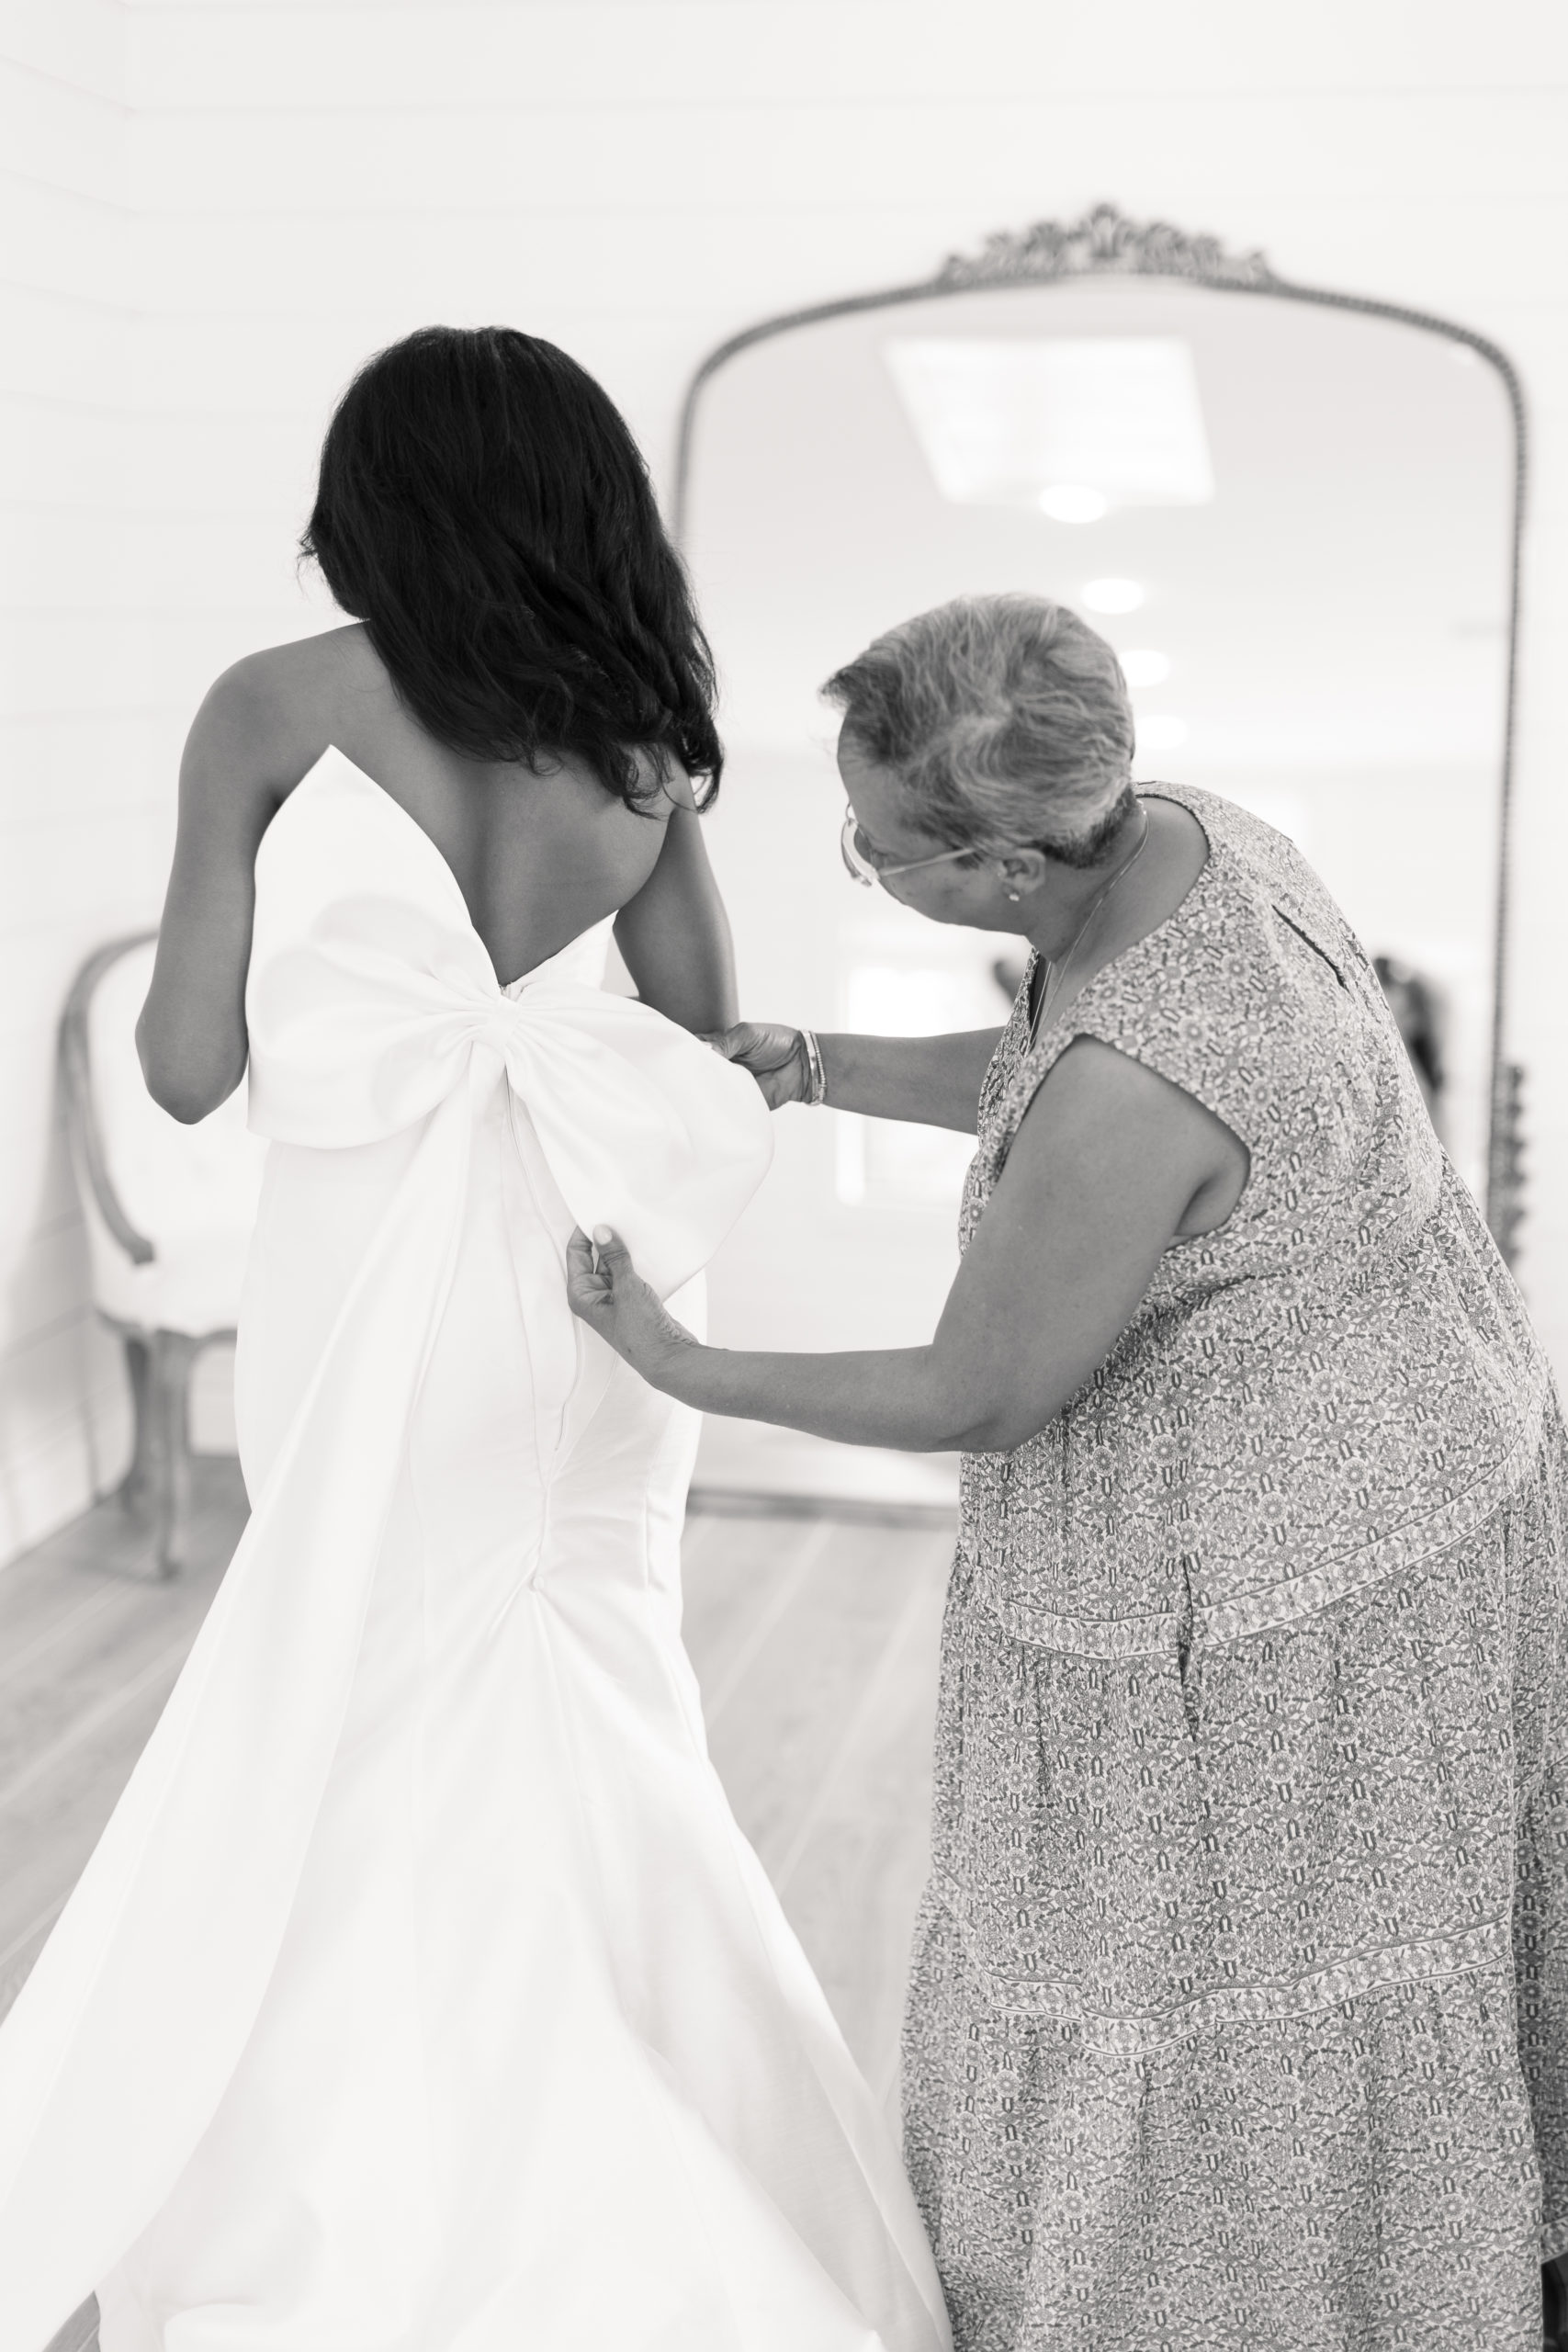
[1292, 522]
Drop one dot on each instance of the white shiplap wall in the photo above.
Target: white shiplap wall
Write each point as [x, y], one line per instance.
[81, 822]
[635, 178]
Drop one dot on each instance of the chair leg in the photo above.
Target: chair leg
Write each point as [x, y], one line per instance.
[174, 1353]
[136, 1487]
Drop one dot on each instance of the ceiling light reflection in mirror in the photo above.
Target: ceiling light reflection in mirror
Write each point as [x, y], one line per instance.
[1072, 426]
[1112, 595]
[1071, 502]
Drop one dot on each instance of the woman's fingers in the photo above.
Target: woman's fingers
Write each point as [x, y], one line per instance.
[759, 1046]
[592, 1270]
[589, 1288]
[604, 1289]
[771, 1052]
[605, 1246]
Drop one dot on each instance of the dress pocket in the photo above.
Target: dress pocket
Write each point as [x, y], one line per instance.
[1070, 1819]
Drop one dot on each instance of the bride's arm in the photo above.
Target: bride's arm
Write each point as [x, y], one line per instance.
[237, 764]
[933, 1080]
[1091, 1196]
[674, 935]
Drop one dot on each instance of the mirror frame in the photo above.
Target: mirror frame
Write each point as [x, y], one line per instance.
[1106, 243]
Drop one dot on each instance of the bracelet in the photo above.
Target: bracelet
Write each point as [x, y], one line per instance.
[816, 1076]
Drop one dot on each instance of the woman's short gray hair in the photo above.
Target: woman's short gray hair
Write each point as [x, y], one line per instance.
[1006, 720]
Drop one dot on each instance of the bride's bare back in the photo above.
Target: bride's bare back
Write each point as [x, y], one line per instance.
[538, 857]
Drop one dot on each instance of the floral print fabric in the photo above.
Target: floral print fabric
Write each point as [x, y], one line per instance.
[1242, 1980]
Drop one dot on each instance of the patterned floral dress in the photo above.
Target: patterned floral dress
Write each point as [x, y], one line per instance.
[1241, 1986]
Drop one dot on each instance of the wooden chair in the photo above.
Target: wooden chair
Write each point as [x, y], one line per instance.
[168, 1211]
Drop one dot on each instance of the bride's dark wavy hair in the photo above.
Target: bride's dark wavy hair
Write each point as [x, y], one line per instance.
[483, 509]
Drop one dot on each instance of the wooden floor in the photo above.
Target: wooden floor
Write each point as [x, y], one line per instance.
[814, 1640]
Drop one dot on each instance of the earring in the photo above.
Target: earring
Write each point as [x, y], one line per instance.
[1013, 895]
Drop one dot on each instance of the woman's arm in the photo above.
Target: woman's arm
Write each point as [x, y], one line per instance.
[235, 770]
[1095, 1188]
[933, 1081]
[674, 934]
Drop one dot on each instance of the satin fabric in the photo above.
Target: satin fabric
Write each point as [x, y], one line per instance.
[421, 1994]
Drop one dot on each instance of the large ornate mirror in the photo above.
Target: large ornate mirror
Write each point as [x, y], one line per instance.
[1295, 515]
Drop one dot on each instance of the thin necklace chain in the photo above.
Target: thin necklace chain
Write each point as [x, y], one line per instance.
[1057, 972]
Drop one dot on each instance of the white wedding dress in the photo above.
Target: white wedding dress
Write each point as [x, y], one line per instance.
[421, 1994]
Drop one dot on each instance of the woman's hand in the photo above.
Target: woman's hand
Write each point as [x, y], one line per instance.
[774, 1056]
[604, 1290]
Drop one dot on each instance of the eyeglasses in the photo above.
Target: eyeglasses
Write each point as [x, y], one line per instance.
[861, 867]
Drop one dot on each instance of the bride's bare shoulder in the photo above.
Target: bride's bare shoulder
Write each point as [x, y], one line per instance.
[266, 720]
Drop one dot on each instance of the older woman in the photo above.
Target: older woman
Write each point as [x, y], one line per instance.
[1239, 1991]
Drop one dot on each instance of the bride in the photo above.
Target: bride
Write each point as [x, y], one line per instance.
[421, 1994]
